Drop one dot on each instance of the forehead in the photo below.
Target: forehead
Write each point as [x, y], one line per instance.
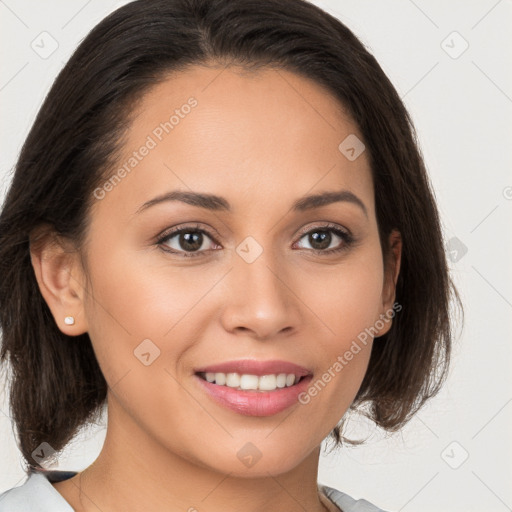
[262, 135]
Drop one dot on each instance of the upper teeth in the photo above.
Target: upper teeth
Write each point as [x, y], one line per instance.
[245, 381]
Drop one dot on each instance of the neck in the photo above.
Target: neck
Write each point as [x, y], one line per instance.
[135, 472]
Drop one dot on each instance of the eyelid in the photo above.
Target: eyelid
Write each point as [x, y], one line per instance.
[188, 227]
[326, 225]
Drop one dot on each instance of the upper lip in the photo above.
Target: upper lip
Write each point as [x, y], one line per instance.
[253, 367]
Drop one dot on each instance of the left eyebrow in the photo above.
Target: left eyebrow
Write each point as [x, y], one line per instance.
[217, 203]
[325, 198]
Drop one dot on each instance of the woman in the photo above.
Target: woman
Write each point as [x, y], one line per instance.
[220, 227]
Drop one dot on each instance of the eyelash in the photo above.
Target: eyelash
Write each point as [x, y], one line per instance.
[347, 238]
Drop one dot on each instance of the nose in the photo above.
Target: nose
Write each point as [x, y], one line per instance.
[259, 298]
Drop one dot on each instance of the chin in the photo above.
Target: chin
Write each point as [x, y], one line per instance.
[251, 462]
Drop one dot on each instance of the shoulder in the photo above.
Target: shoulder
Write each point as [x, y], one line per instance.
[346, 503]
[37, 494]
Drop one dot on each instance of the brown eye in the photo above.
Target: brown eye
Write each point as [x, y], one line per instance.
[188, 241]
[321, 239]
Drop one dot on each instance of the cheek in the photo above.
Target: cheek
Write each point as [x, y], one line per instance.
[348, 302]
[130, 310]
[138, 296]
[125, 304]
[346, 298]
[133, 294]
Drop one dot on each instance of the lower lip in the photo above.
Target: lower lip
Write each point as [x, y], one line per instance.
[255, 403]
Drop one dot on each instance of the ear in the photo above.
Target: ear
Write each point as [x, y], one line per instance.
[391, 271]
[60, 277]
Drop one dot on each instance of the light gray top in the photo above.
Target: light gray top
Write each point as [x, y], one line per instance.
[37, 494]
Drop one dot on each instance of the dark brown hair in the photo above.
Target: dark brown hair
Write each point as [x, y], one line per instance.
[56, 383]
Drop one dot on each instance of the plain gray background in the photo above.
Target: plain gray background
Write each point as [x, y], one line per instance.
[450, 62]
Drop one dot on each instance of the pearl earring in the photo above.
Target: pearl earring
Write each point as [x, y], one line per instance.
[69, 320]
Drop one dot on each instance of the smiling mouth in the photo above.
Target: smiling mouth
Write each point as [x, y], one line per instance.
[254, 383]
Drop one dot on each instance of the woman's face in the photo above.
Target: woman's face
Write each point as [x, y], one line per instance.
[243, 282]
